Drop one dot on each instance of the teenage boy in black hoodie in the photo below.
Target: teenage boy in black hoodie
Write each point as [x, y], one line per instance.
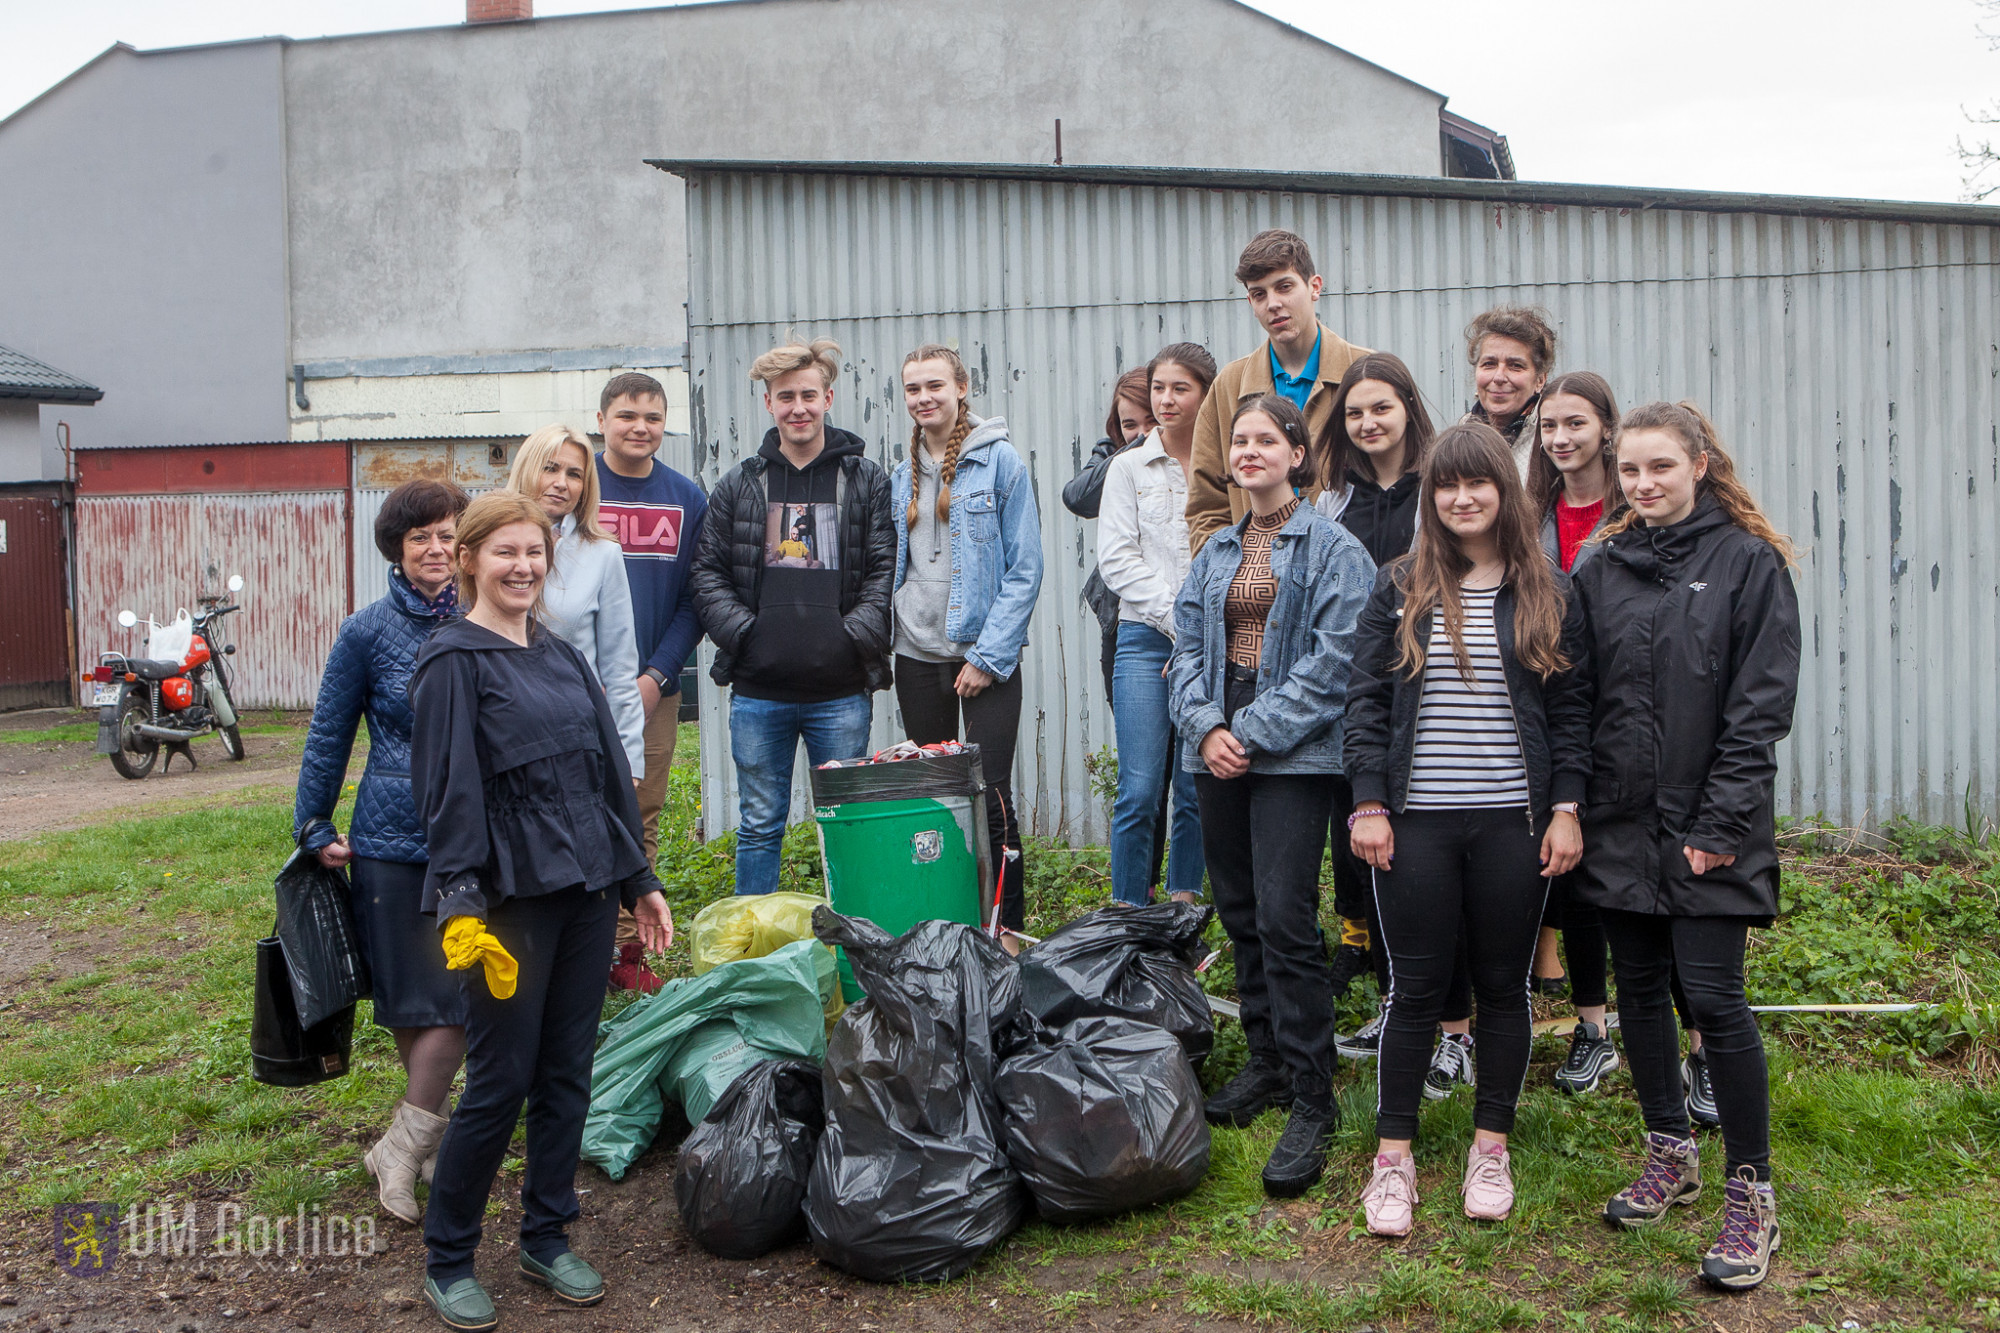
[801, 642]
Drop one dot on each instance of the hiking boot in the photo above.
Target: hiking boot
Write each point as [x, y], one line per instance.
[1488, 1188]
[1350, 959]
[1364, 1043]
[1300, 1157]
[1672, 1175]
[1349, 962]
[1390, 1201]
[1699, 1092]
[1591, 1058]
[630, 971]
[1451, 1065]
[1262, 1084]
[1741, 1255]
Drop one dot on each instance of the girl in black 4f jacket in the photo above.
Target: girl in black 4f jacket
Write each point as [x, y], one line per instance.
[1468, 748]
[1695, 640]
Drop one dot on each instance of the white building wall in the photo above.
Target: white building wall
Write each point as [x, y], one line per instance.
[21, 441]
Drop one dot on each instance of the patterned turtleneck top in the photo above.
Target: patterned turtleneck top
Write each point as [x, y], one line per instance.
[1248, 603]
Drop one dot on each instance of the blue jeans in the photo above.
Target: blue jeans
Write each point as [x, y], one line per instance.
[764, 740]
[1147, 754]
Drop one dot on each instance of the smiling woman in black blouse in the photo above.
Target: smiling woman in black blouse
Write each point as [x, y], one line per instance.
[534, 841]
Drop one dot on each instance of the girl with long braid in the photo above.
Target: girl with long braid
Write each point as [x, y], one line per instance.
[968, 570]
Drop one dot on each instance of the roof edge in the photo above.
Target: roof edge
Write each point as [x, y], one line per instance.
[1331, 46]
[17, 393]
[1407, 187]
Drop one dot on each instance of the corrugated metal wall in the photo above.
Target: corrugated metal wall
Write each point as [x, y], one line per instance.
[1849, 363]
[156, 553]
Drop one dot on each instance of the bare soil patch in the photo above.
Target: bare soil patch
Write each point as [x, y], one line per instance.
[47, 786]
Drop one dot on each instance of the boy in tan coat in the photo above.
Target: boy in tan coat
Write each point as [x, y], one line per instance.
[1301, 359]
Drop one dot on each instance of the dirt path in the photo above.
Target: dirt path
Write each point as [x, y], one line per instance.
[50, 785]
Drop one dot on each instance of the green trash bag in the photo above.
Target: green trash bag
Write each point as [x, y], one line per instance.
[663, 1046]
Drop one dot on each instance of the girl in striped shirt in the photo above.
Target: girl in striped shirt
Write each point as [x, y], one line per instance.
[1468, 747]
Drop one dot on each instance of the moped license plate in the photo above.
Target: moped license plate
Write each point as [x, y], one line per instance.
[105, 696]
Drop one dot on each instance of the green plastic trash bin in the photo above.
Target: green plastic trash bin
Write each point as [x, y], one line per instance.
[904, 842]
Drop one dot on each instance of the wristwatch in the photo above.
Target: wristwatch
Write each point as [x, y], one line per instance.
[659, 678]
[1568, 808]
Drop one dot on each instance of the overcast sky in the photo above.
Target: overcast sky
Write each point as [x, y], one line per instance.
[1833, 97]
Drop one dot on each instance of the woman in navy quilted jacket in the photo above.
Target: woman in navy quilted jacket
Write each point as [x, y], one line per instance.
[368, 673]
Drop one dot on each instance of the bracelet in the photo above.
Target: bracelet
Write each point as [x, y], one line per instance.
[1359, 815]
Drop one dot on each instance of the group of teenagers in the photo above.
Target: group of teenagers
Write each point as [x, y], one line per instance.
[1527, 669]
[1527, 672]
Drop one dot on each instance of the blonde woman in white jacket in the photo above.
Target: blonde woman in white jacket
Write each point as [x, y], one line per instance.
[585, 599]
[1143, 556]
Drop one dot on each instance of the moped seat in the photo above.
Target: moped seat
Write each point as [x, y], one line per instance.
[158, 668]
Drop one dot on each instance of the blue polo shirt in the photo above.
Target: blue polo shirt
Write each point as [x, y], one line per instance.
[1297, 387]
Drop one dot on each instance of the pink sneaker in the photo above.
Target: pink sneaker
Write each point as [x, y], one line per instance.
[1489, 1182]
[1391, 1197]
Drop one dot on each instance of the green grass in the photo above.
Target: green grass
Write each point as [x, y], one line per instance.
[70, 733]
[128, 1076]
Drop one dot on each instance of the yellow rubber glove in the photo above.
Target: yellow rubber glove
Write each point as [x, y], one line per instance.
[467, 941]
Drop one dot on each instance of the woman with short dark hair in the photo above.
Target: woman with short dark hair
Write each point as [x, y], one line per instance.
[1512, 350]
[368, 674]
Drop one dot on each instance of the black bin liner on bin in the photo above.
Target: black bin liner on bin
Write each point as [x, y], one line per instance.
[910, 1182]
[1126, 962]
[741, 1178]
[1103, 1117]
[322, 951]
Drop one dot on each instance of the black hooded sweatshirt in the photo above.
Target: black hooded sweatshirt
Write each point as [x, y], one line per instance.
[793, 574]
[1695, 644]
[1384, 521]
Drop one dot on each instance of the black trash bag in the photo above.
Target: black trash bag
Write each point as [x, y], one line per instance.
[910, 1183]
[283, 1053]
[741, 1178]
[1126, 962]
[316, 926]
[1103, 1117]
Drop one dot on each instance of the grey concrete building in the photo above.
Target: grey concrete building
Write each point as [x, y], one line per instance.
[451, 232]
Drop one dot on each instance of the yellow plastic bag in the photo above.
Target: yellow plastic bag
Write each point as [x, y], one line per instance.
[755, 925]
[466, 941]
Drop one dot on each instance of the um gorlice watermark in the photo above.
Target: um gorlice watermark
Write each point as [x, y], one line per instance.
[93, 1238]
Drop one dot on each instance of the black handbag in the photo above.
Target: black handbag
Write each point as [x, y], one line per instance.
[284, 1052]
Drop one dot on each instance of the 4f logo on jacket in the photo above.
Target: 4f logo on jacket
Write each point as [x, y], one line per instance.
[643, 529]
[1697, 586]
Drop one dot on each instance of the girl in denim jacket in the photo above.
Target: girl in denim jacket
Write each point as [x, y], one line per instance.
[968, 570]
[1264, 630]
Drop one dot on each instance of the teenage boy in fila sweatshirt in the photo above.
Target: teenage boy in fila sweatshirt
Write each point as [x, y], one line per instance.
[655, 515]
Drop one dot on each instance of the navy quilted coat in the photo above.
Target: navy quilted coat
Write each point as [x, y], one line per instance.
[368, 672]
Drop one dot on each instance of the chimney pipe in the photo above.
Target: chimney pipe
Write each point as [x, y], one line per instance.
[498, 11]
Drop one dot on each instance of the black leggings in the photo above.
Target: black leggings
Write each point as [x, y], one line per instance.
[1354, 899]
[931, 709]
[1584, 950]
[1471, 879]
[1707, 952]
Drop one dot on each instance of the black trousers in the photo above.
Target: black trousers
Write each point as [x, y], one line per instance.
[1354, 897]
[1264, 836]
[1586, 954]
[1469, 880]
[931, 712]
[1707, 951]
[536, 1047]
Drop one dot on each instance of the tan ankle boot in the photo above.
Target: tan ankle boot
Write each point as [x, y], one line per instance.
[398, 1157]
